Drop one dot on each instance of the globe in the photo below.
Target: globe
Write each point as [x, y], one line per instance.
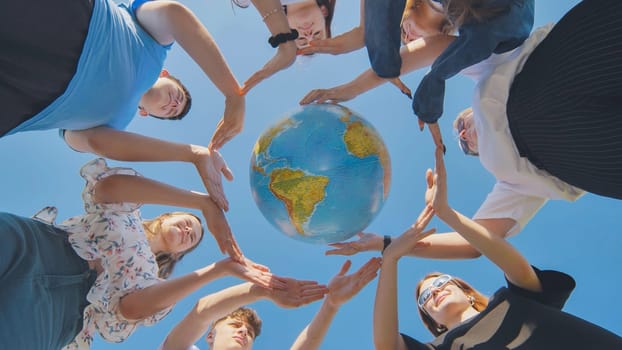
[321, 174]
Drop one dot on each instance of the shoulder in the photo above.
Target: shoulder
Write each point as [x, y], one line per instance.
[556, 288]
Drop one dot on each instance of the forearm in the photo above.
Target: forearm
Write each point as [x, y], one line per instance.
[148, 301]
[423, 52]
[209, 309]
[127, 146]
[138, 189]
[450, 245]
[311, 337]
[194, 38]
[385, 323]
[273, 16]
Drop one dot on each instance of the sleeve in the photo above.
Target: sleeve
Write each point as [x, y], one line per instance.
[556, 288]
[413, 344]
[504, 202]
[135, 5]
[93, 172]
[473, 45]
[193, 347]
[382, 36]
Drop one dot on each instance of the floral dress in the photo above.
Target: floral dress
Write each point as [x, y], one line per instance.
[112, 233]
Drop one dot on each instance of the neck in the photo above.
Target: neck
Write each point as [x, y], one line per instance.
[461, 317]
[155, 243]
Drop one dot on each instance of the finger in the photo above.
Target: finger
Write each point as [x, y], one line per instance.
[227, 173]
[318, 289]
[403, 88]
[345, 267]
[339, 244]
[426, 234]
[310, 97]
[436, 136]
[254, 80]
[277, 283]
[421, 124]
[429, 178]
[344, 251]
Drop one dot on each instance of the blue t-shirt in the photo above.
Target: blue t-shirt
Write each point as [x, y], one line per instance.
[119, 62]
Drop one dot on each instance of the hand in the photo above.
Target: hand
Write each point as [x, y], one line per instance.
[410, 239]
[297, 293]
[366, 242]
[343, 43]
[284, 57]
[252, 272]
[231, 123]
[343, 287]
[211, 165]
[334, 95]
[403, 88]
[219, 227]
[436, 193]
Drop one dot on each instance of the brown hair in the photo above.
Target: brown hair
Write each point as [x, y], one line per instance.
[166, 260]
[459, 12]
[480, 302]
[186, 93]
[246, 315]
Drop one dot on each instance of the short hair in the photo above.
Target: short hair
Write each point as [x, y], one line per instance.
[187, 95]
[244, 314]
[480, 302]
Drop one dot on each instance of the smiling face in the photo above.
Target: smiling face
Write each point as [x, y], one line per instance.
[232, 333]
[421, 20]
[444, 301]
[166, 99]
[309, 20]
[180, 232]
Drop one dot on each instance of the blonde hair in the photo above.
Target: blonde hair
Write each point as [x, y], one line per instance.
[480, 302]
[466, 113]
[167, 260]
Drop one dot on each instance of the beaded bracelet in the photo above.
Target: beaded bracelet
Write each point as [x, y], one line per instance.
[280, 38]
[273, 11]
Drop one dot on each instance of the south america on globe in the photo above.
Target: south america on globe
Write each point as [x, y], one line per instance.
[321, 174]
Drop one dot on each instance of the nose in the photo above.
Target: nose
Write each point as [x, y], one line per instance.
[243, 331]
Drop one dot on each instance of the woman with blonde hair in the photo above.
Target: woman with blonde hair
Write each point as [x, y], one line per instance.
[524, 315]
[104, 271]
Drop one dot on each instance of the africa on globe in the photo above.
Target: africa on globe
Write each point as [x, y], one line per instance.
[321, 174]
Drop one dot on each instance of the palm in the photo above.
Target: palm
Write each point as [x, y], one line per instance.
[366, 242]
[297, 293]
[343, 287]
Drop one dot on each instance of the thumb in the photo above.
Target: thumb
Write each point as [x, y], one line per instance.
[345, 267]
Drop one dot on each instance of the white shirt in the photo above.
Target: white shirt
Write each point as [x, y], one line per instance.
[521, 188]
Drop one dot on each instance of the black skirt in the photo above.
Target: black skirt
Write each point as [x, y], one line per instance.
[40, 45]
[565, 106]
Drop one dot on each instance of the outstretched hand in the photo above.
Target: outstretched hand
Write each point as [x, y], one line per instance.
[366, 242]
[253, 272]
[231, 123]
[333, 95]
[219, 227]
[436, 192]
[297, 293]
[211, 166]
[410, 239]
[344, 43]
[342, 287]
[284, 57]
[435, 131]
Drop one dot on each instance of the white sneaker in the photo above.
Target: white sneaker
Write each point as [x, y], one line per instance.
[242, 3]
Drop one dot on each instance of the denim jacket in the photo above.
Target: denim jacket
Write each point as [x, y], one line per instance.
[476, 42]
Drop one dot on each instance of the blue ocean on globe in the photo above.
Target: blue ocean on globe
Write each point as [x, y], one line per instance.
[321, 174]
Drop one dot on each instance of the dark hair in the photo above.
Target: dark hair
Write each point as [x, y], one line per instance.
[480, 301]
[188, 105]
[459, 12]
[167, 261]
[246, 315]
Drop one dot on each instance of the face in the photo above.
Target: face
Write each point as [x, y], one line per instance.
[231, 334]
[420, 21]
[444, 298]
[180, 232]
[309, 20]
[467, 135]
[164, 99]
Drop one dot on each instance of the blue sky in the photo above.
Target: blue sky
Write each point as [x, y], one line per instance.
[582, 238]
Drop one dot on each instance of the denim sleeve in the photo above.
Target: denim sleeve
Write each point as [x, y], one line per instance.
[472, 46]
[382, 36]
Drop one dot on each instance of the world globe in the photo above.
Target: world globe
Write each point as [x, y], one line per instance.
[321, 174]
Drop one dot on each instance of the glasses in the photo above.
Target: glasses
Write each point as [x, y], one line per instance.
[439, 282]
[464, 145]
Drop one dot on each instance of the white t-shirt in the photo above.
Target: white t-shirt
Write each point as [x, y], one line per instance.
[521, 188]
[193, 347]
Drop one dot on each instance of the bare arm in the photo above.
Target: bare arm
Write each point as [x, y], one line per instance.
[386, 327]
[417, 54]
[148, 301]
[127, 146]
[493, 246]
[341, 289]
